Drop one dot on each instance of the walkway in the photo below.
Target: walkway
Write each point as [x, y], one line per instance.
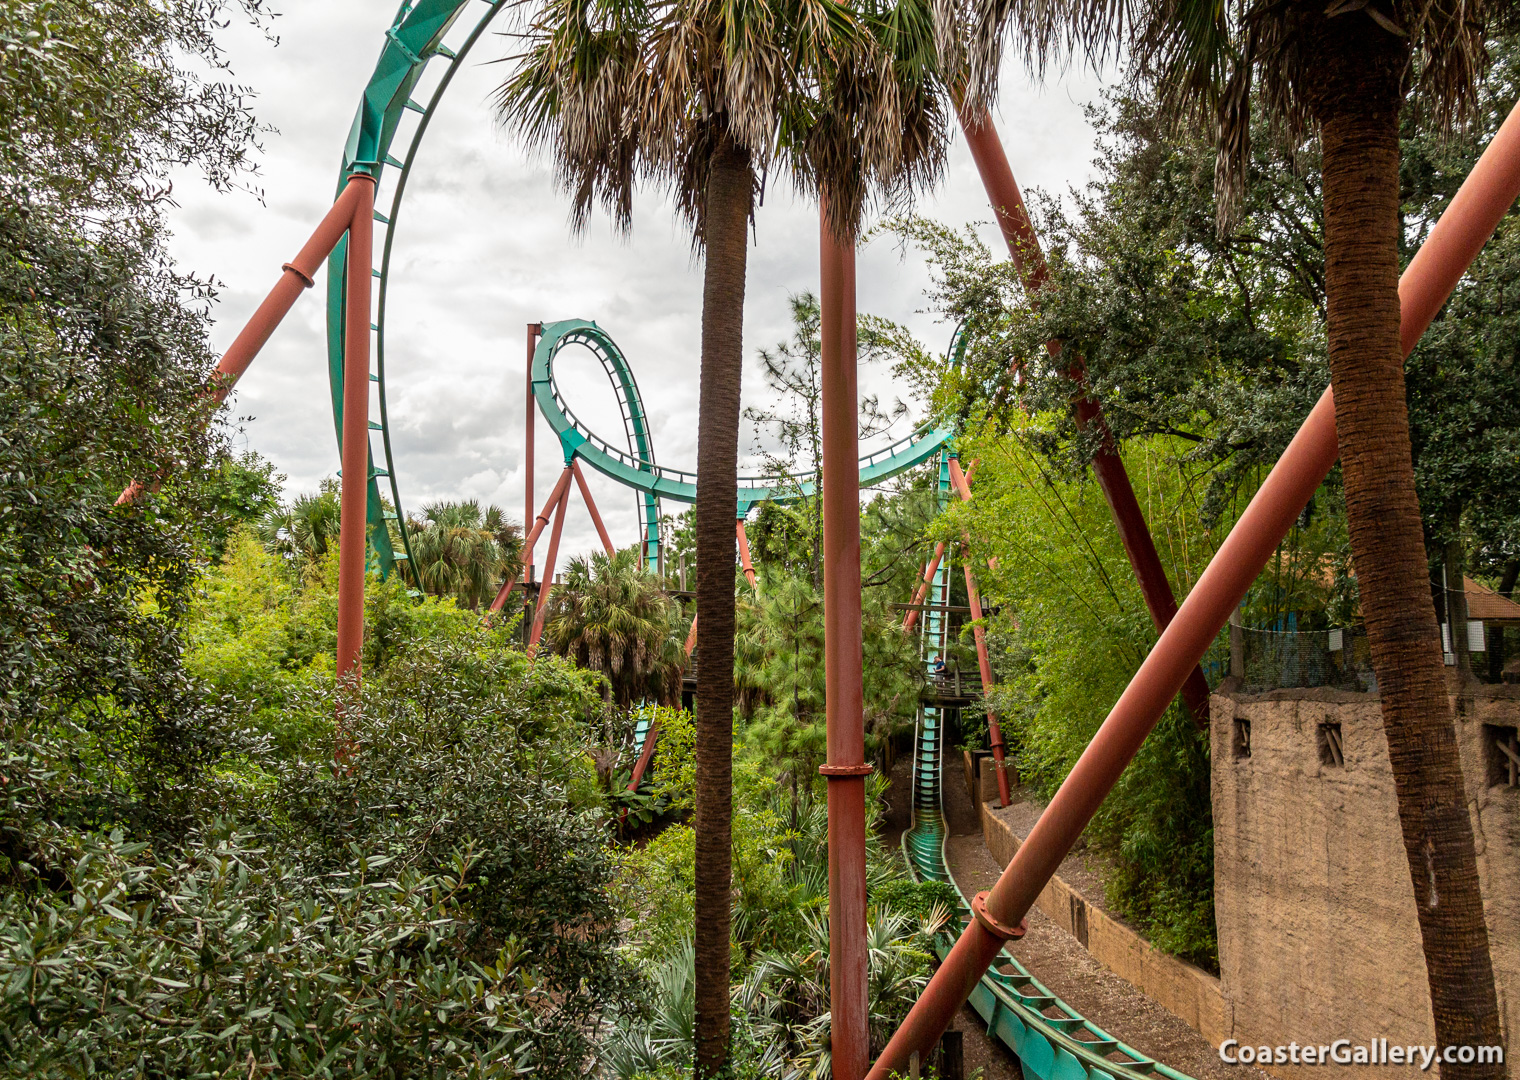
[1059, 961]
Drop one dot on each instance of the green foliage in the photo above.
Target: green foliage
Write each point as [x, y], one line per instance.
[916, 899]
[99, 100]
[658, 879]
[781, 682]
[239, 638]
[1071, 631]
[187, 886]
[657, 884]
[1217, 341]
[611, 615]
[789, 990]
[464, 552]
[304, 530]
[244, 491]
[675, 764]
[257, 638]
[103, 366]
[438, 904]
[223, 962]
[1464, 395]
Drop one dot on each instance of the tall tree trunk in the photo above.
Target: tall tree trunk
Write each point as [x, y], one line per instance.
[1355, 94]
[1454, 559]
[1496, 642]
[726, 239]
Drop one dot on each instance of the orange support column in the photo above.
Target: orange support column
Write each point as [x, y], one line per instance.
[534, 330]
[542, 614]
[748, 567]
[539, 523]
[846, 769]
[984, 664]
[353, 539]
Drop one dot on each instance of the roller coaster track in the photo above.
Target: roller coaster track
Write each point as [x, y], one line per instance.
[390, 122]
[1051, 1039]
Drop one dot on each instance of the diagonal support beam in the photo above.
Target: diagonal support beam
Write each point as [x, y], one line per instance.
[298, 275]
[1108, 468]
[923, 589]
[560, 487]
[542, 614]
[979, 632]
[596, 517]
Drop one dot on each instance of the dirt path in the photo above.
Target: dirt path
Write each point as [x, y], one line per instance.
[1059, 961]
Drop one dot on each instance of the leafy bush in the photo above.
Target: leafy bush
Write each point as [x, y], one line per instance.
[228, 961]
[916, 899]
[439, 905]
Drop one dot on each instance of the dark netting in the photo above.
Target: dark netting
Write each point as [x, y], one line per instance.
[1281, 660]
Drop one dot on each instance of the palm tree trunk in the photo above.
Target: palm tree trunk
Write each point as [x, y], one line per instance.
[1356, 99]
[1454, 559]
[1496, 641]
[726, 237]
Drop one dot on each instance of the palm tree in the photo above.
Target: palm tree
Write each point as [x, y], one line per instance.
[306, 528]
[1346, 68]
[460, 551]
[611, 615]
[702, 97]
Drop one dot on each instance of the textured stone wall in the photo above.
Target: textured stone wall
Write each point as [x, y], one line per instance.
[1318, 938]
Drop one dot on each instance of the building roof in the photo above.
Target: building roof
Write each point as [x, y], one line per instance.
[1485, 604]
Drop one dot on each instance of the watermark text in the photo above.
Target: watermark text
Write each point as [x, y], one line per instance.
[1347, 1052]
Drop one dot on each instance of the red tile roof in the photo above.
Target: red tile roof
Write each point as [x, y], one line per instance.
[1483, 603]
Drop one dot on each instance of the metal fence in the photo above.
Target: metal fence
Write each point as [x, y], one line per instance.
[1285, 659]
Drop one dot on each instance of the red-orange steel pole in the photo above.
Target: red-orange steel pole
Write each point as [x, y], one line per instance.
[984, 662]
[353, 534]
[547, 582]
[846, 767]
[533, 534]
[298, 275]
[596, 518]
[749, 567]
[1108, 468]
[646, 754]
[962, 482]
[1469, 221]
[534, 330]
[923, 589]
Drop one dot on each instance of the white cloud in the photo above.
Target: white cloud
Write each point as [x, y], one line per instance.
[483, 248]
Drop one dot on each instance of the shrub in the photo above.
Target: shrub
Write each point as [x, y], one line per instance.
[916, 899]
[228, 961]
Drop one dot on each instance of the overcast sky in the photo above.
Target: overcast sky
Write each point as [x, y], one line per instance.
[484, 248]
